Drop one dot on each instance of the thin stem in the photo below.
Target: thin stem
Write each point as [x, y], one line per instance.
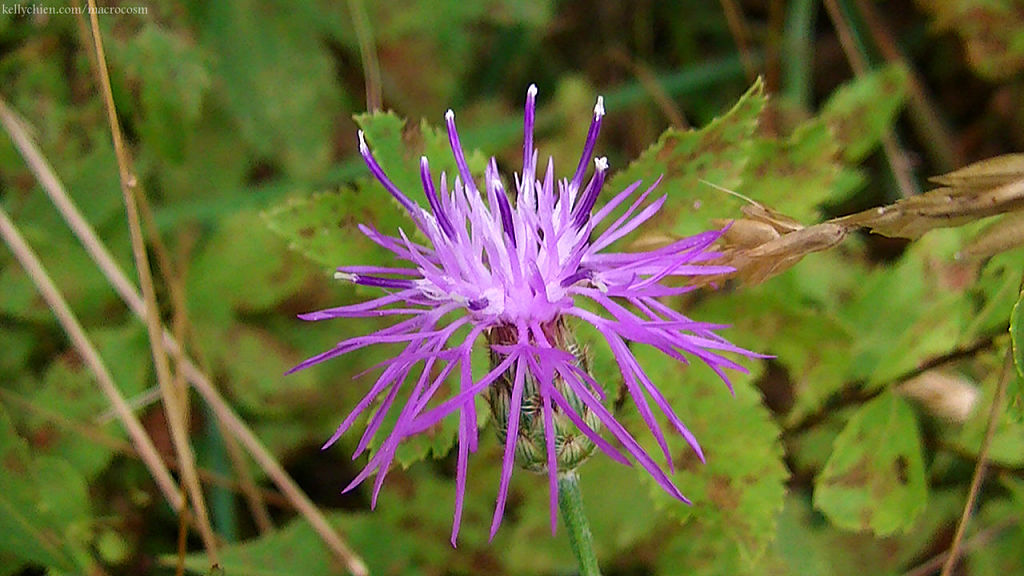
[130, 296]
[570, 502]
[653, 87]
[979, 540]
[798, 44]
[368, 53]
[855, 55]
[979, 469]
[931, 129]
[90, 431]
[741, 34]
[174, 402]
[143, 444]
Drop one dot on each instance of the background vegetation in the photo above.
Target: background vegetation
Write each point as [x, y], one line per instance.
[852, 452]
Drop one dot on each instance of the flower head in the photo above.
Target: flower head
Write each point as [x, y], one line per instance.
[515, 273]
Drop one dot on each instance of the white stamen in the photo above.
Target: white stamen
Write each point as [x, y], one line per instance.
[599, 108]
[601, 286]
[345, 275]
[363, 148]
[601, 163]
[449, 115]
[532, 91]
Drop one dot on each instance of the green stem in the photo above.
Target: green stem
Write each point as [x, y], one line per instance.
[570, 501]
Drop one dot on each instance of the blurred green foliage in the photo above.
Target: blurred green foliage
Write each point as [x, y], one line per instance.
[241, 118]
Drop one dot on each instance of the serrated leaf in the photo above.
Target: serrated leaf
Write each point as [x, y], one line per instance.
[324, 227]
[398, 150]
[875, 479]
[739, 492]
[861, 111]
[795, 175]
[436, 441]
[383, 131]
[44, 506]
[716, 153]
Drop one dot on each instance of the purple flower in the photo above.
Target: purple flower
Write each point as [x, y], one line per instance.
[515, 273]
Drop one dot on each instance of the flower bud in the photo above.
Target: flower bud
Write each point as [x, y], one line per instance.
[572, 446]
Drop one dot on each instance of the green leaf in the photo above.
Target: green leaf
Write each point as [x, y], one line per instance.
[900, 316]
[875, 479]
[787, 317]
[862, 110]
[995, 291]
[243, 268]
[383, 132]
[1007, 446]
[807, 545]
[799, 544]
[407, 534]
[615, 501]
[296, 549]
[44, 506]
[211, 181]
[1001, 554]
[277, 79]
[323, 227]
[989, 32]
[436, 441]
[717, 153]
[255, 362]
[91, 181]
[68, 394]
[173, 80]
[795, 175]
[739, 491]
[398, 151]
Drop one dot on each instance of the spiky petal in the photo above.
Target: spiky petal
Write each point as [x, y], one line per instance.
[493, 267]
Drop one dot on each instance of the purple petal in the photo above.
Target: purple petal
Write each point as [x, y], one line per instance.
[588, 146]
[435, 204]
[512, 434]
[378, 172]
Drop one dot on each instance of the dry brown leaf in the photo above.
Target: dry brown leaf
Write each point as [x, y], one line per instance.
[765, 242]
